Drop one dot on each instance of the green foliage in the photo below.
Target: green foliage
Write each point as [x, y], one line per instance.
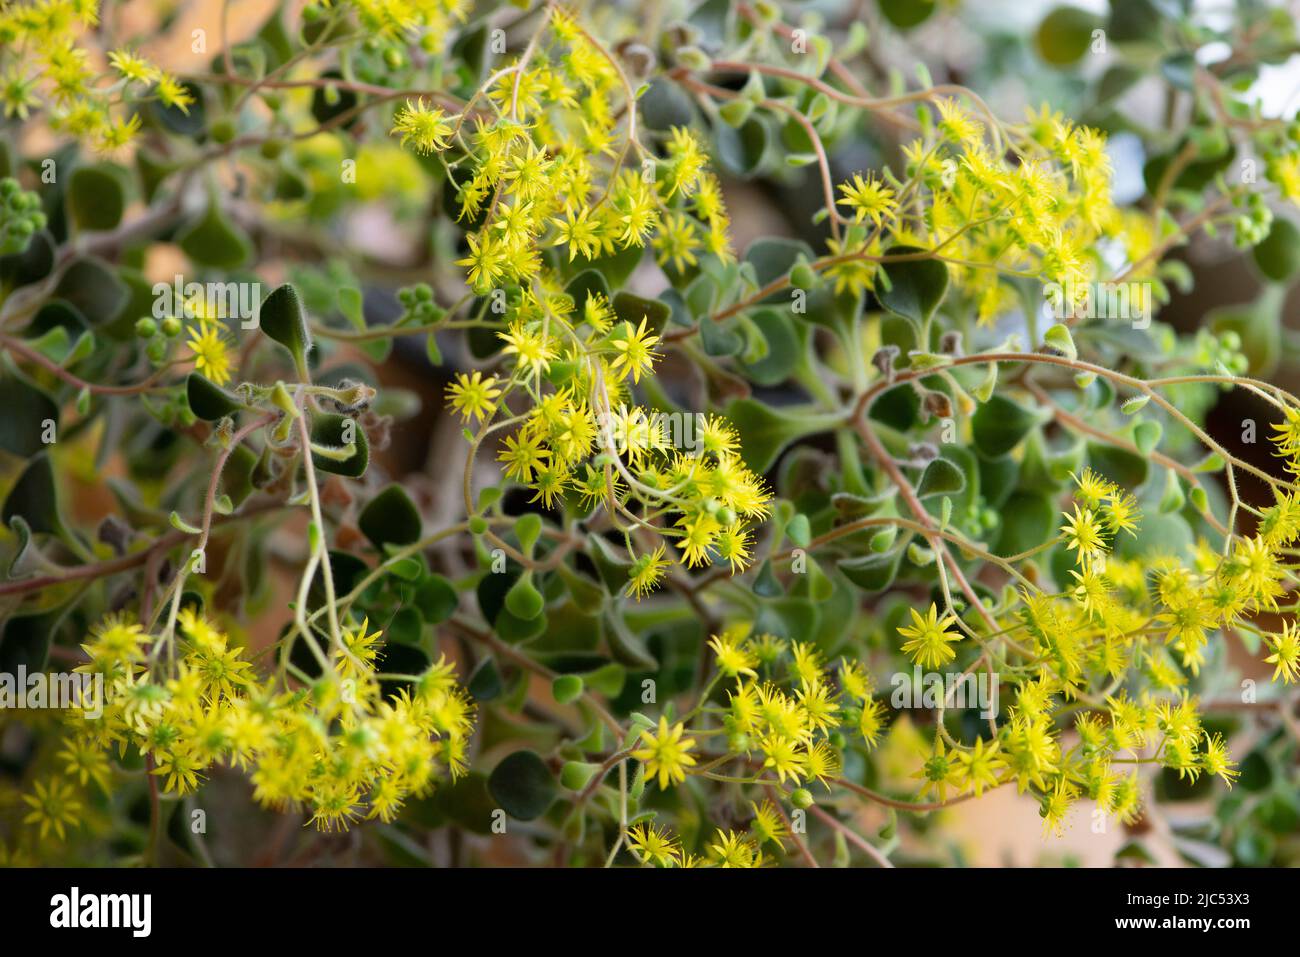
[630, 418]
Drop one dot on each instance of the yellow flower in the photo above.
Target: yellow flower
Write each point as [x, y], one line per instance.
[532, 347]
[939, 772]
[580, 232]
[473, 395]
[523, 455]
[733, 660]
[1083, 533]
[173, 94]
[868, 199]
[54, 807]
[735, 850]
[929, 642]
[426, 129]
[210, 352]
[980, 766]
[134, 68]
[1286, 652]
[652, 845]
[635, 351]
[666, 754]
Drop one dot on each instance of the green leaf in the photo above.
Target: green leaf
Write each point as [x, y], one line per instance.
[95, 197]
[329, 430]
[436, 599]
[26, 410]
[765, 432]
[1120, 466]
[18, 525]
[567, 688]
[1028, 520]
[799, 531]
[94, 289]
[351, 305]
[237, 477]
[34, 498]
[872, 573]
[941, 477]
[627, 647]
[213, 240]
[576, 775]
[916, 286]
[1173, 498]
[1059, 338]
[25, 642]
[527, 529]
[766, 584]
[523, 600]
[405, 627]
[209, 401]
[630, 308]
[485, 683]
[1064, 34]
[523, 785]
[390, 518]
[906, 14]
[283, 318]
[741, 149]
[1146, 436]
[999, 425]
[773, 257]
[664, 105]
[1278, 256]
[784, 348]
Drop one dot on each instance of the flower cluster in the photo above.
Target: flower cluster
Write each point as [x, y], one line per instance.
[995, 203]
[338, 747]
[544, 173]
[44, 64]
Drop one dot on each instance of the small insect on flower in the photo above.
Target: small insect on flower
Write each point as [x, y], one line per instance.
[666, 754]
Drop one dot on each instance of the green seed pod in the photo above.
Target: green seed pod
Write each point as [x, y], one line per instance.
[223, 130]
[803, 276]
